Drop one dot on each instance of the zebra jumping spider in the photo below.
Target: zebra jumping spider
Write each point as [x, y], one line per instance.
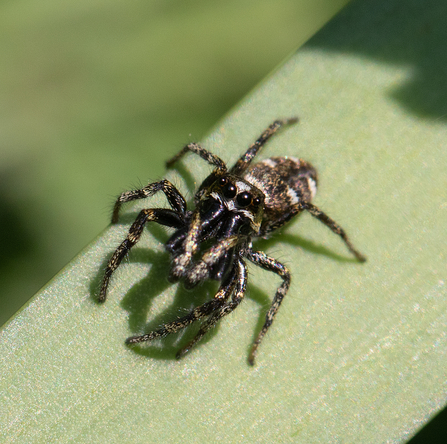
[232, 207]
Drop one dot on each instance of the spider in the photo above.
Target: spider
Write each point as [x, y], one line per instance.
[232, 207]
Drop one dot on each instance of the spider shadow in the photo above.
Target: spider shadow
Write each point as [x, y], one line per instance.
[139, 299]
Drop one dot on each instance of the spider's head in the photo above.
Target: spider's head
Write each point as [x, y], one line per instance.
[235, 197]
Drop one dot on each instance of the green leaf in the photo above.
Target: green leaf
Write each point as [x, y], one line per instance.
[95, 95]
[357, 351]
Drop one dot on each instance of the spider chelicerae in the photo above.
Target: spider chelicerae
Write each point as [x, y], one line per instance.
[232, 207]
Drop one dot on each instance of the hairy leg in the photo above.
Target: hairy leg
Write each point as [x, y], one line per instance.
[174, 197]
[202, 152]
[206, 309]
[238, 276]
[201, 270]
[159, 215]
[242, 164]
[270, 264]
[322, 217]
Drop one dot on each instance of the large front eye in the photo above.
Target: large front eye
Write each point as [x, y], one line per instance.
[244, 199]
[229, 190]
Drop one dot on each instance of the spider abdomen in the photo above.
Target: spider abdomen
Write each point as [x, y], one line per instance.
[285, 182]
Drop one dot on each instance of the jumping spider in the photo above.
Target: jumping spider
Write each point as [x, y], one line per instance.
[232, 206]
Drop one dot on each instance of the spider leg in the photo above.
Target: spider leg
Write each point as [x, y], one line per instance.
[190, 245]
[269, 226]
[237, 286]
[241, 165]
[162, 216]
[206, 309]
[171, 327]
[317, 213]
[200, 271]
[270, 264]
[174, 197]
[203, 153]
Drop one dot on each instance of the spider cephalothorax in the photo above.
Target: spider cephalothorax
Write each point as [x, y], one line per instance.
[212, 241]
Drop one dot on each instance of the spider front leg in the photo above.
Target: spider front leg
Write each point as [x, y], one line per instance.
[237, 284]
[172, 327]
[242, 164]
[270, 264]
[201, 270]
[202, 152]
[174, 197]
[206, 309]
[181, 261]
[162, 216]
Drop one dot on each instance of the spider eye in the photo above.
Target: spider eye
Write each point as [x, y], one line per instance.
[229, 190]
[244, 199]
[223, 181]
[256, 201]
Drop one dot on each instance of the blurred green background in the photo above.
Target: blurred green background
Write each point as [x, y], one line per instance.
[96, 95]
